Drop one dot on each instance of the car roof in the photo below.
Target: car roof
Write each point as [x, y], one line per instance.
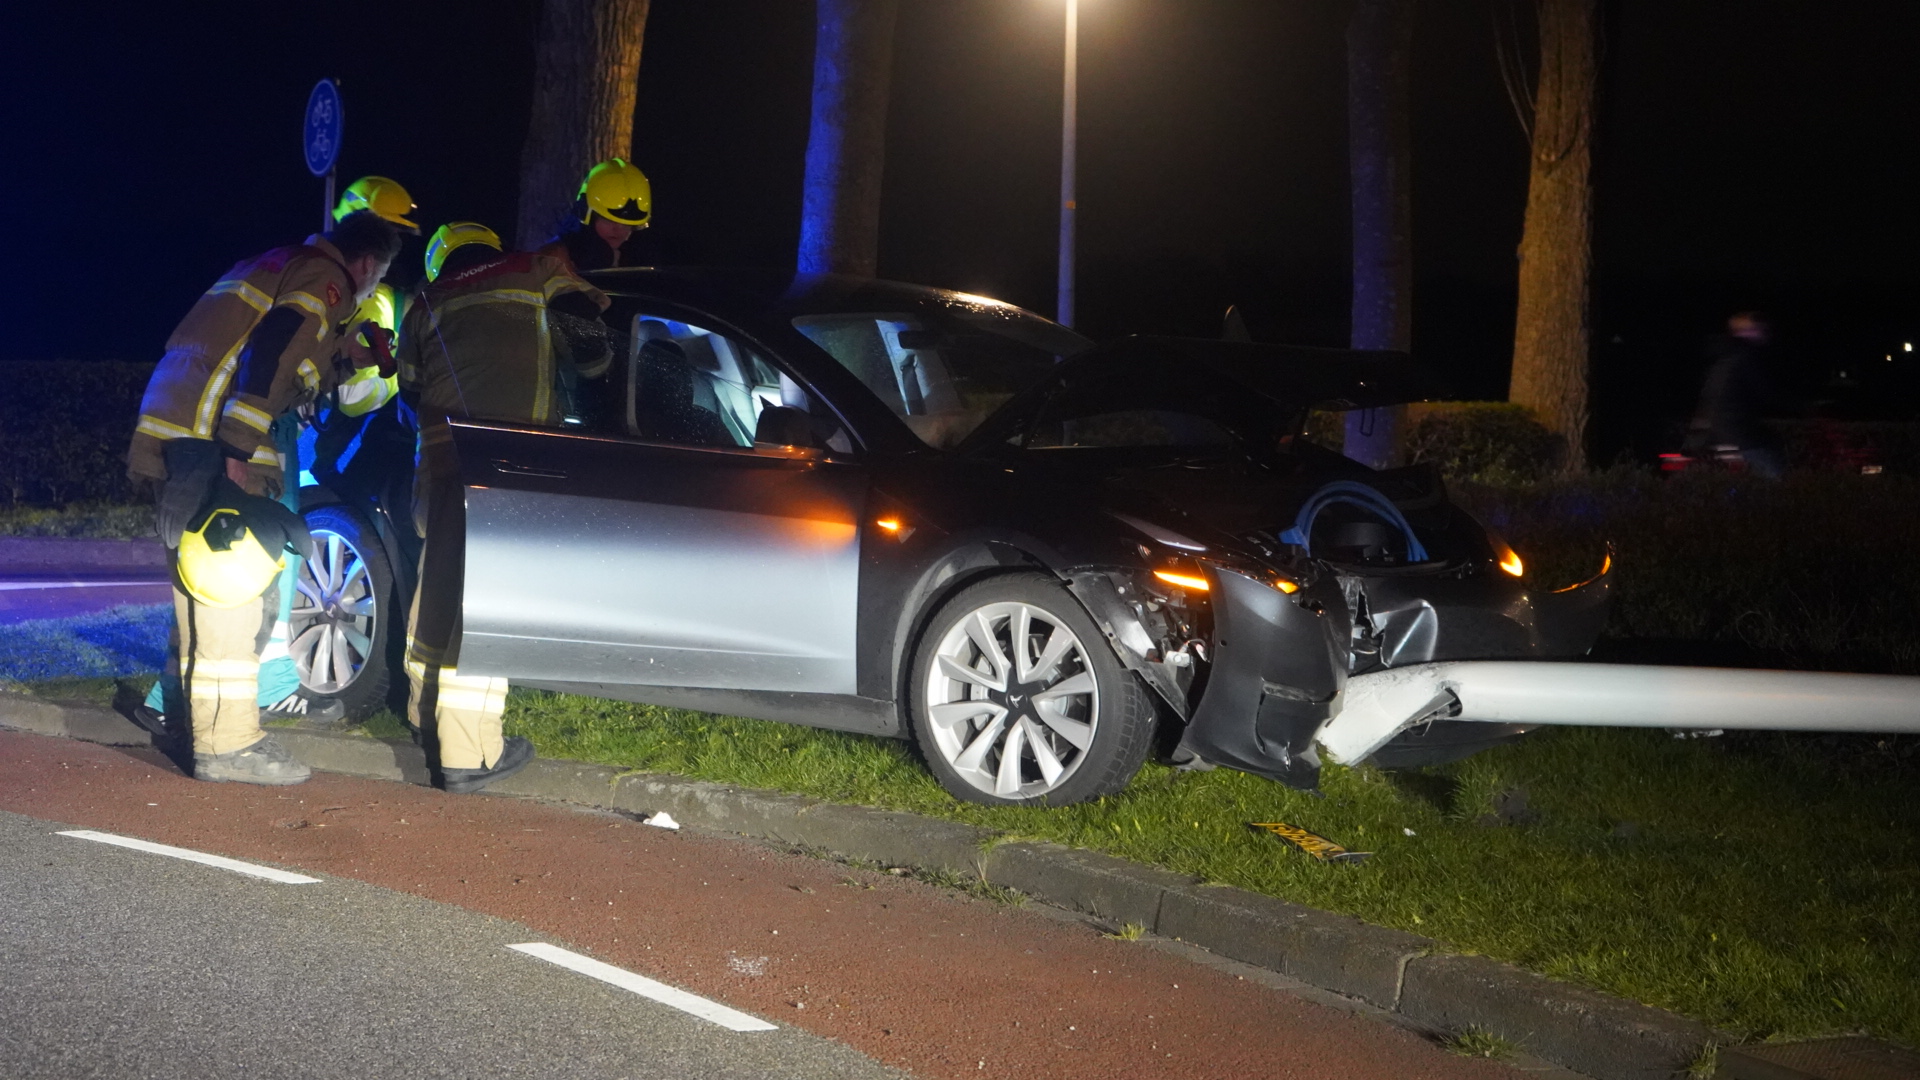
[773, 292]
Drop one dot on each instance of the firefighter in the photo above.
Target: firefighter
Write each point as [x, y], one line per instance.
[360, 393]
[490, 336]
[614, 203]
[271, 335]
[369, 388]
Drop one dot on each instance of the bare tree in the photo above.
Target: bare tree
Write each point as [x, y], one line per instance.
[1550, 348]
[840, 203]
[586, 74]
[1379, 160]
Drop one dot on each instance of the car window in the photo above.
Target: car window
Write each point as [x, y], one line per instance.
[688, 384]
[943, 374]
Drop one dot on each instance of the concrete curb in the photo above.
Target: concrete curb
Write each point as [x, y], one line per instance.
[1596, 1034]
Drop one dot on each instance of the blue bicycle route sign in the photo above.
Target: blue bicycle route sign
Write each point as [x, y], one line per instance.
[324, 119]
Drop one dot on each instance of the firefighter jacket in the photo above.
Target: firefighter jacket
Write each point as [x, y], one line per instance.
[583, 250]
[259, 342]
[366, 389]
[490, 342]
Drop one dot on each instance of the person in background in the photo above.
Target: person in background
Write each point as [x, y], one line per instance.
[1738, 389]
[614, 205]
[371, 387]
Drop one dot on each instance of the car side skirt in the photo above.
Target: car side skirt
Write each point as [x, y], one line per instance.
[835, 712]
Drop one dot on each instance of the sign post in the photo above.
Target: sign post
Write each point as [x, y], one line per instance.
[325, 118]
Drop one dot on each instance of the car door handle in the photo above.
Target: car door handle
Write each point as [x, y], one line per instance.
[511, 469]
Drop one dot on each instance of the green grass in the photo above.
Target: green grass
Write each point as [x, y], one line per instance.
[1734, 880]
[96, 520]
[1476, 1043]
[92, 691]
[1706, 1064]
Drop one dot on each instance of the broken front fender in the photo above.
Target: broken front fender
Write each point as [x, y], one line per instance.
[1279, 663]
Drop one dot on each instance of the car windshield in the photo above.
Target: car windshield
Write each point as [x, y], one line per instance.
[944, 372]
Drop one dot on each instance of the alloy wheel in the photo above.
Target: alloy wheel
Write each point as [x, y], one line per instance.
[1012, 701]
[332, 624]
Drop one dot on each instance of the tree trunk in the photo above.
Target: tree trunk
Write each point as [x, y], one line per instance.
[1379, 160]
[1550, 355]
[846, 146]
[586, 73]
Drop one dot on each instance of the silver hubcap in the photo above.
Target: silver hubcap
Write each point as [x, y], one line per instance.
[332, 621]
[1011, 700]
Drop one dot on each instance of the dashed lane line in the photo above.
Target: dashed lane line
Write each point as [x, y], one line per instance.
[224, 863]
[712, 1011]
[36, 586]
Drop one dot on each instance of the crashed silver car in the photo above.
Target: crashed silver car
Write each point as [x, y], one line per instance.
[922, 514]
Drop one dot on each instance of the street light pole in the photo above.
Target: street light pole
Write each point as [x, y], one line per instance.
[1068, 119]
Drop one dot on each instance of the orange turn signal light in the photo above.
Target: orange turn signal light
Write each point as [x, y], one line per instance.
[1510, 562]
[892, 525]
[1193, 582]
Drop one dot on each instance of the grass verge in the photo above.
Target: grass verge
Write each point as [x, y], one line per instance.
[122, 641]
[94, 520]
[1743, 881]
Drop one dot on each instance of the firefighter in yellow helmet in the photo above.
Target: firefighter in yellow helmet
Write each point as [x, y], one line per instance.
[371, 387]
[615, 203]
[491, 336]
[268, 337]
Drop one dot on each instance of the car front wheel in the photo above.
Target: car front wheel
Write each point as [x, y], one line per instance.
[1017, 699]
[340, 626]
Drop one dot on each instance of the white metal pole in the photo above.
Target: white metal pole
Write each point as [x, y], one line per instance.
[1068, 111]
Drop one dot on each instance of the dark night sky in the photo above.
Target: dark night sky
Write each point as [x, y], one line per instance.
[1751, 154]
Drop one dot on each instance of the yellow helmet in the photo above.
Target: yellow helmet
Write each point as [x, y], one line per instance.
[617, 190]
[386, 198]
[456, 234]
[223, 564]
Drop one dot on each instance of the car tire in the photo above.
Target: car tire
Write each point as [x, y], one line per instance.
[1060, 721]
[342, 627]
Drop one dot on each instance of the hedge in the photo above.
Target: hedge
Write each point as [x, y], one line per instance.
[64, 427]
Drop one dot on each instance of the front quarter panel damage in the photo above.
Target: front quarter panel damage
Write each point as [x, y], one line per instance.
[1148, 636]
[1278, 666]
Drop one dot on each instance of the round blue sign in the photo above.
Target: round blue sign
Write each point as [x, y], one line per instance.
[324, 119]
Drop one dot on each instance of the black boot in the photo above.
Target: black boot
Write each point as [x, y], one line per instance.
[514, 756]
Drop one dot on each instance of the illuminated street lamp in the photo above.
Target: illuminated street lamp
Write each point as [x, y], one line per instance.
[1064, 312]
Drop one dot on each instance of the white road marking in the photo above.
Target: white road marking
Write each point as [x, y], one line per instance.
[21, 586]
[220, 861]
[713, 1011]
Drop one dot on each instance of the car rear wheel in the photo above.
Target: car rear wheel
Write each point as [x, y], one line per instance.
[340, 629]
[1016, 699]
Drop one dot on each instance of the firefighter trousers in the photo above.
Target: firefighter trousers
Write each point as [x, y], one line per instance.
[458, 716]
[215, 654]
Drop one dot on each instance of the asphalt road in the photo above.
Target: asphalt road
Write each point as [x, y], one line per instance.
[123, 963]
[25, 597]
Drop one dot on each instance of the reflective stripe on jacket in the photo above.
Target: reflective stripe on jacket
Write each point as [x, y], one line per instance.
[200, 390]
[480, 344]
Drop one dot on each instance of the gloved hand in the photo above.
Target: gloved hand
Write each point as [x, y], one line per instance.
[371, 345]
[192, 467]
